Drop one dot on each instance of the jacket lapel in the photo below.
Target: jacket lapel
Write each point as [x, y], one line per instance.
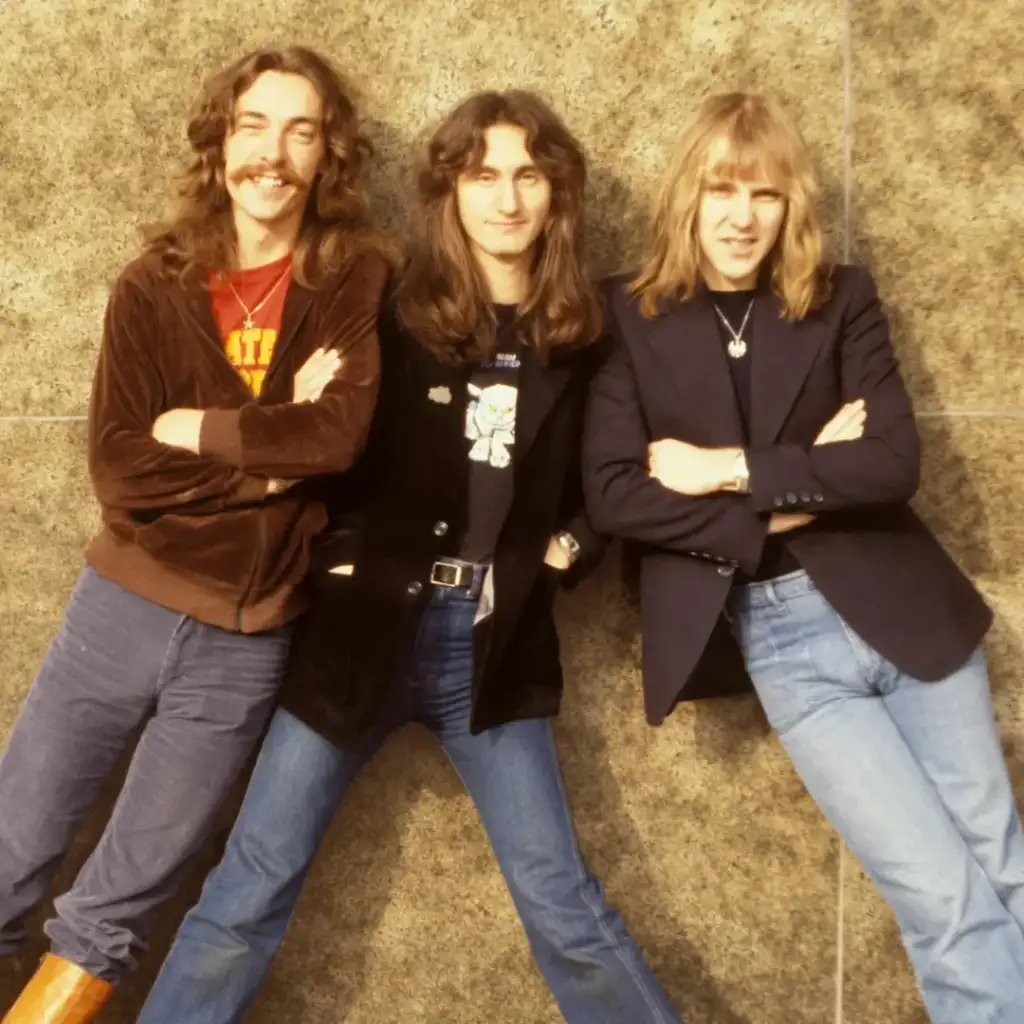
[444, 395]
[297, 302]
[199, 308]
[783, 352]
[539, 389]
[687, 342]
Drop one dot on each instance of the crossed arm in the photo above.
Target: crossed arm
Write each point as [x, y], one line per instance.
[678, 496]
[193, 461]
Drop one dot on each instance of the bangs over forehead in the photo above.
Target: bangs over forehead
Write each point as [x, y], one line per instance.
[751, 147]
[476, 154]
[460, 144]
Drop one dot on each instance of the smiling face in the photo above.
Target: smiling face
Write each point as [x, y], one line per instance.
[503, 203]
[272, 154]
[739, 219]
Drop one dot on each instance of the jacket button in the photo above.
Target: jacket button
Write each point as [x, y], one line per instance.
[414, 589]
[819, 497]
[790, 498]
[440, 528]
[804, 497]
[725, 570]
[778, 502]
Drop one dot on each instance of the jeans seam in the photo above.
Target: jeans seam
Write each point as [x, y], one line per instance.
[584, 875]
[173, 641]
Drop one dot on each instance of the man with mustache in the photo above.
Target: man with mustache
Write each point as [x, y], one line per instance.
[179, 624]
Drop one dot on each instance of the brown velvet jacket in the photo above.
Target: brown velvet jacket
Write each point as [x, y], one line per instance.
[198, 533]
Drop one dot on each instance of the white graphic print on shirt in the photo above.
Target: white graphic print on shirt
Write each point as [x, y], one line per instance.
[491, 423]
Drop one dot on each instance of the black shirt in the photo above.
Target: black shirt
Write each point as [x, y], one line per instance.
[776, 559]
[490, 434]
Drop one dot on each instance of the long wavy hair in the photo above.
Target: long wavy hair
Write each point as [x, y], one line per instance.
[443, 298]
[198, 235]
[761, 141]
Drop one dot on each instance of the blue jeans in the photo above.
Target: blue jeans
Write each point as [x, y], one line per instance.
[912, 776]
[119, 661]
[580, 944]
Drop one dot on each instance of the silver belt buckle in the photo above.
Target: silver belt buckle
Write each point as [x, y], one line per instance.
[457, 582]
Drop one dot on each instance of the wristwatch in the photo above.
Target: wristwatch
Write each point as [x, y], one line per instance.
[740, 478]
[569, 544]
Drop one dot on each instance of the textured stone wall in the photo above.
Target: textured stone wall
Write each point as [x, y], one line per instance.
[725, 871]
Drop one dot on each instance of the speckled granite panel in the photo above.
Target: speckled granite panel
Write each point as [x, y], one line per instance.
[938, 187]
[972, 476]
[86, 156]
[47, 515]
[970, 496]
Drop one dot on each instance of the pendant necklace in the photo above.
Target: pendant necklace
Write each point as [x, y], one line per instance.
[737, 347]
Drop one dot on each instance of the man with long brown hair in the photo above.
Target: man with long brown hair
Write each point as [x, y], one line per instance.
[179, 624]
[469, 517]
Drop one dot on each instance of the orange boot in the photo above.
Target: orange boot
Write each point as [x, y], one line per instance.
[59, 992]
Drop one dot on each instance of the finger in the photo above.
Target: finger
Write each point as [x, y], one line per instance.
[848, 413]
[313, 359]
[837, 427]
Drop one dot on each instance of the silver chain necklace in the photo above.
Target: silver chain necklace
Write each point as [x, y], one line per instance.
[737, 347]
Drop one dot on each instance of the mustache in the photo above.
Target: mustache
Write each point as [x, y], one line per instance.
[281, 170]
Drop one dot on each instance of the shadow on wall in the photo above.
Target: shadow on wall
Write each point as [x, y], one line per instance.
[660, 928]
[962, 525]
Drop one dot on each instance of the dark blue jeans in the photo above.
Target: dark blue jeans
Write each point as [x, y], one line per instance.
[205, 695]
[228, 939]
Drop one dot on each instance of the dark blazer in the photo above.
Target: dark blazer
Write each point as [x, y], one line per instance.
[405, 506]
[868, 553]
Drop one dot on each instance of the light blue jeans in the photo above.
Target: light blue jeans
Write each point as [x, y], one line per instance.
[912, 776]
[226, 942]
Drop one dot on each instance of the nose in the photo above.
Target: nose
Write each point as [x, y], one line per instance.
[741, 209]
[507, 198]
[272, 147]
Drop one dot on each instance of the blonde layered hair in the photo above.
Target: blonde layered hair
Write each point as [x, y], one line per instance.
[760, 141]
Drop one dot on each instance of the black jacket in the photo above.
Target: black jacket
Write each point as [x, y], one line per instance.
[404, 507]
[868, 553]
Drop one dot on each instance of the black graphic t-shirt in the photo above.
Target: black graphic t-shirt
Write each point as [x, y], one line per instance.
[490, 432]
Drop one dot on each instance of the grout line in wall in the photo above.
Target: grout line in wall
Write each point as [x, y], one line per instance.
[971, 413]
[840, 930]
[847, 135]
[42, 419]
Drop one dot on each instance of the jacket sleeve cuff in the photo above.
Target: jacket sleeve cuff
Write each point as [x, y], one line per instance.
[220, 436]
[781, 479]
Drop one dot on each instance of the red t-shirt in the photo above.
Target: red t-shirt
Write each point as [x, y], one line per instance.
[250, 349]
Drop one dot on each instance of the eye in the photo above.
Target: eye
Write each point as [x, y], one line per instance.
[718, 188]
[529, 177]
[767, 195]
[305, 134]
